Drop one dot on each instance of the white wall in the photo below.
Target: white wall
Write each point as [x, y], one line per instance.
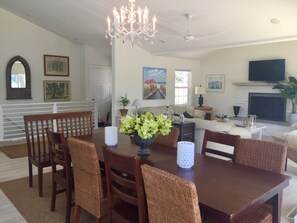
[20, 37]
[128, 66]
[233, 63]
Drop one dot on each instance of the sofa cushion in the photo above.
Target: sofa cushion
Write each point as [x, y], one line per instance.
[187, 115]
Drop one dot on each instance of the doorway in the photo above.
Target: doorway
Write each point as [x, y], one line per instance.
[100, 82]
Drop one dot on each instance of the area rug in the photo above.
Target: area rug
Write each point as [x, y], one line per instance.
[36, 209]
[15, 151]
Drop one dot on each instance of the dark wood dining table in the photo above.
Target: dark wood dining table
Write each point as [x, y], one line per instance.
[226, 191]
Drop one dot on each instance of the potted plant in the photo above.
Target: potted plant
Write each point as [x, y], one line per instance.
[144, 128]
[124, 101]
[222, 118]
[289, 90]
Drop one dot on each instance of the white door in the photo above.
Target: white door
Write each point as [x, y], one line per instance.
[100, 89]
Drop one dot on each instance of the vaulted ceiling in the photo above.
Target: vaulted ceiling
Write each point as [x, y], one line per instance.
[233, 22]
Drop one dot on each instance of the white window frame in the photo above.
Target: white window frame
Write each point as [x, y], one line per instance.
[189, 87]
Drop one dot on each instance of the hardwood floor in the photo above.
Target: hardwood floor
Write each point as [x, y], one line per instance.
[17, 168]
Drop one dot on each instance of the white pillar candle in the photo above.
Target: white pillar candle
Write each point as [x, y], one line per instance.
[111, 135]
[185, 154]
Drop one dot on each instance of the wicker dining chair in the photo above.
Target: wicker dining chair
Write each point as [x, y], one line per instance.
[125, 188]
[170, 139]
[263, 155]
[169, 197]
[60, 156]
[88, 184]
[221, 139]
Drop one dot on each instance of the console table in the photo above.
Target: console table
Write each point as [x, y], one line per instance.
[207, 110]
[186, 131]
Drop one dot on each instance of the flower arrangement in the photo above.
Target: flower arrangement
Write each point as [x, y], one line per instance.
[146, 125]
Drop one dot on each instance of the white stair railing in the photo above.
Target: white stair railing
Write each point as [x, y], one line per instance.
[11, 115]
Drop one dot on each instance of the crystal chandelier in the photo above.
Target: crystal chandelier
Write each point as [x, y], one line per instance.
[131, 24]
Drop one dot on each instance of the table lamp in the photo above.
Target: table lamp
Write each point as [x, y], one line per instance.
[200, 90]
[136, 103]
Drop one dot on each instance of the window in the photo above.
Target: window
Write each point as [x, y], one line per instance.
[182, 84]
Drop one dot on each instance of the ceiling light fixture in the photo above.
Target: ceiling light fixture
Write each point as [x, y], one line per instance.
[131, 24]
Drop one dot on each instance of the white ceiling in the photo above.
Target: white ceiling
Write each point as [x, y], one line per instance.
[238, 22]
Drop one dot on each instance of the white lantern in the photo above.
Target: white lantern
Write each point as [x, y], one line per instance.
[111, 135]
[185, 154]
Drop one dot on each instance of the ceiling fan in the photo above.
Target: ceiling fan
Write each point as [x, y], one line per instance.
[189, 36]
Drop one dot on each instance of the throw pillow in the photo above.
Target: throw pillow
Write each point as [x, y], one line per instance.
[187, 115]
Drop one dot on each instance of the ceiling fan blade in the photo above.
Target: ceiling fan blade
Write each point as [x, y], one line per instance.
[210, 35]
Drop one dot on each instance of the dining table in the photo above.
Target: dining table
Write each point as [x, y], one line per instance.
[226, 191]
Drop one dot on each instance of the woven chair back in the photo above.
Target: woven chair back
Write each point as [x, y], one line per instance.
[169, 197]
[170, 139]
[262, 155]
[87, 177]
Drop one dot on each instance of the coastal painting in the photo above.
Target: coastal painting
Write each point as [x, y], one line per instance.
[215, 83]
[154, 83]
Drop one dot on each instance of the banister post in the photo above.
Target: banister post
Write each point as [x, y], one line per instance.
[96, 114]
[1, 123]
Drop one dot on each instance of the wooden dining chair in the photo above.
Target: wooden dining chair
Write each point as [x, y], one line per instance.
[169, 197]
[60, 156]
[263, 155]
[124, 187]
[88, 184]
[222, 141]
[168, 140]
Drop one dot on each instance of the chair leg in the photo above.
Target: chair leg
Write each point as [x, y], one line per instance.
[68, 204]
[76, 213]
[30, 174]
[40, 181]
[54, 194]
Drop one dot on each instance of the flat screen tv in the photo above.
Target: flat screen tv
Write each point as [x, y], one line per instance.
[267, 70]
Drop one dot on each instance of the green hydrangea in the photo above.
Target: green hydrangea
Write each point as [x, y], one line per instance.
[146, 125]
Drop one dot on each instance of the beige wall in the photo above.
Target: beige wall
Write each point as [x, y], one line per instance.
[20, 37]
[233, 63]
[128, 66]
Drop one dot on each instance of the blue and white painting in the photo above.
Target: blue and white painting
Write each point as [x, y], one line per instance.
[154, 83]
[215, 83]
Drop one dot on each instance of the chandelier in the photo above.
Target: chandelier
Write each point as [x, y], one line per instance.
[131, 24]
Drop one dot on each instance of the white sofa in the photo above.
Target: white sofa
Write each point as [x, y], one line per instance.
[200, 122]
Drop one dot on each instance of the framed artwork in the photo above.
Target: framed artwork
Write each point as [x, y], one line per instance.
[56, 90]
[56, 65]
[154, 83]
[215, 83]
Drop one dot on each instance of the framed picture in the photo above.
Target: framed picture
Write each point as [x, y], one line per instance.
[56, 65]
[154, 83]
[215, 83]
[56, 90]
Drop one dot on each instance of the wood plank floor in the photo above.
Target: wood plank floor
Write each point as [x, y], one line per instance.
[17, 168]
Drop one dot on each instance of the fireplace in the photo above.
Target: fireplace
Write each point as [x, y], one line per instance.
[267, 106]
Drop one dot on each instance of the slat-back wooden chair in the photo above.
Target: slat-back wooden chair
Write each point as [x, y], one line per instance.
[125, 188]
[69, 123]
[60, 156]
[222, 139]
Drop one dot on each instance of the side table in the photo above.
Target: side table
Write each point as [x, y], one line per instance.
[207, 110]
[186, 131]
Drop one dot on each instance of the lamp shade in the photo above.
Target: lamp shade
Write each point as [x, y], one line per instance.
[200, 90]
[136, 102]
[185, 154]
[111, 135]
